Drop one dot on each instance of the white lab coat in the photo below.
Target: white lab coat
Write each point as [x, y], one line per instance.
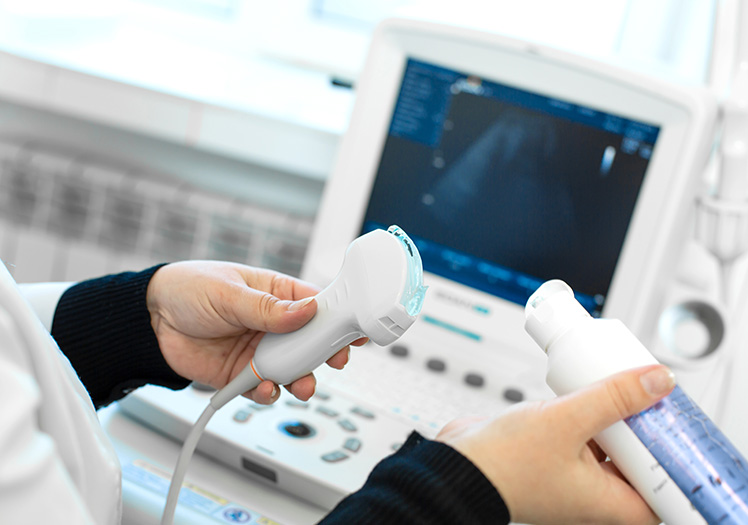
[56, 463]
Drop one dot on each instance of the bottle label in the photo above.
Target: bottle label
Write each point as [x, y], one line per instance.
[706, 467]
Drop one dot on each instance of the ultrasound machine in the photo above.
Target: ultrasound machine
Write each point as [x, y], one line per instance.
[508, 164]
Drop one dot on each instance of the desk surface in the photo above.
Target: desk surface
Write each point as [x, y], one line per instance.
[144, 454]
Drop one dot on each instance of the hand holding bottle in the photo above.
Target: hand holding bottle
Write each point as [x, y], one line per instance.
[541, 457]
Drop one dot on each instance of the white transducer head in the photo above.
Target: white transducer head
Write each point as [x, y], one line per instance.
[377, 293]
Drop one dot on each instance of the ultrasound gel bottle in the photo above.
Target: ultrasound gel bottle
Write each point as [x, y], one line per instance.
[672, 453]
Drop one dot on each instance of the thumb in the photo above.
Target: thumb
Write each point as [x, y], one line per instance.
[264, 311]
[617, 397]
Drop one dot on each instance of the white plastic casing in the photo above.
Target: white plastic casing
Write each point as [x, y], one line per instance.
[364, 300]
[583, 350]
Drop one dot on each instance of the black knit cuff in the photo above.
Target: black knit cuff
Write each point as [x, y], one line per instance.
[104, 328]
[424, 483]
[460, 484]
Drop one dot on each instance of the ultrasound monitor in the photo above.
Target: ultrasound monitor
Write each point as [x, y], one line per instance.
[503, 189]
[510, 164]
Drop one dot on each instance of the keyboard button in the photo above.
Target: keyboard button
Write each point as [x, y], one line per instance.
[514, 395]
[202, 387]
[298, 429]
[399, 350]
[346, 424]
[436, 365]
[335, 456]
[363, 412]
[352, 444]
[475, 380]
[242, 416]
[329, 412]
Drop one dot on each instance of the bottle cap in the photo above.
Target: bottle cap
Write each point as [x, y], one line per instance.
[551, 311]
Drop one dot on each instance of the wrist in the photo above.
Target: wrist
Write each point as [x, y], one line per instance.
[103, 327]
[152, 294]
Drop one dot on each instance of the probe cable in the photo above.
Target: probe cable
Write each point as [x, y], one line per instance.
[220, 398]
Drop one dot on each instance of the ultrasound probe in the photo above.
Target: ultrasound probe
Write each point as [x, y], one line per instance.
[378, 294]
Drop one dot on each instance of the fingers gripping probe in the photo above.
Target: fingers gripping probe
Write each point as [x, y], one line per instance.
[378, 293]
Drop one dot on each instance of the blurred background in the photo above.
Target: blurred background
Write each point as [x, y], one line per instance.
[139, 131]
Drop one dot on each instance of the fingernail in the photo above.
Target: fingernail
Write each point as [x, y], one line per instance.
[298, 305]
[274, 392]
[658, 381]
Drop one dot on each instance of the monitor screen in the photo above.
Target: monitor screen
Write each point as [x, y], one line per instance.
[503, 189]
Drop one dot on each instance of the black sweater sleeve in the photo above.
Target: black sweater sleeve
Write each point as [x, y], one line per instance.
[424, 483]
[104, 328]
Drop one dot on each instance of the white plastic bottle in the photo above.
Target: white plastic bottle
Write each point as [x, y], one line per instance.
[675, 457]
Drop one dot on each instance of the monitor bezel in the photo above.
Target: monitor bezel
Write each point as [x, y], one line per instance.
[686, 118]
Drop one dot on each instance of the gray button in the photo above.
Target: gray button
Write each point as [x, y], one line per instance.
[295, 403]
[352, 444]
[473, 379]
[399, 350]
[202, 388]
[514, 395]
[363, 412]
[242, 416]
[437, 365]
[329, 412]
[346, 424]
[333, 457]
[324, 396]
